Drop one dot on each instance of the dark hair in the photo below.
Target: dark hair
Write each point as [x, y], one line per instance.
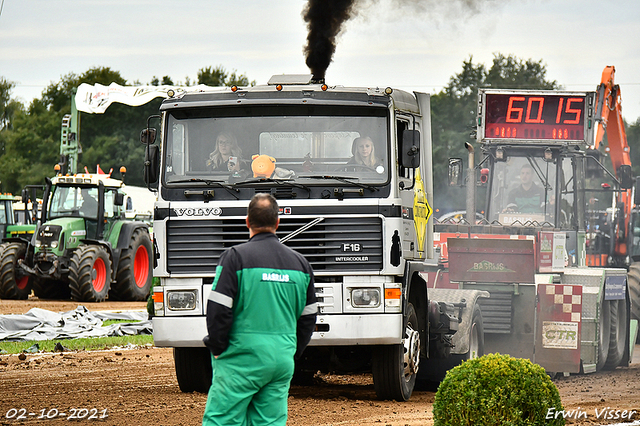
[263, 211]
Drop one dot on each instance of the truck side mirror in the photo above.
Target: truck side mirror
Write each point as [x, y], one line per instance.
[455, 172]
[148, 136]
[151, 164]
[24, 194]
[625, 177]
[636, 192]
[119, 199]
[410, 149]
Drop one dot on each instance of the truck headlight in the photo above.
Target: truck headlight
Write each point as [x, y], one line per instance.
[182, 300]
[54, 244]
[365, 297]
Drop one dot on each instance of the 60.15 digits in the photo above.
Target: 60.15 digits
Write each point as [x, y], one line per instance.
[534, 116]
[54, 413]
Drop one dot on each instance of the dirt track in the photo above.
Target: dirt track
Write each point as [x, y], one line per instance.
[138, 387]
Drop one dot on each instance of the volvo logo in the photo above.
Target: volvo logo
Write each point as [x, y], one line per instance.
[198, 211]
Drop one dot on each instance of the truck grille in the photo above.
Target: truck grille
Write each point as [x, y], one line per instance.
[194, 246]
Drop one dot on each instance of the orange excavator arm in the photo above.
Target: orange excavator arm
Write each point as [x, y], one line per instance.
[609, 118]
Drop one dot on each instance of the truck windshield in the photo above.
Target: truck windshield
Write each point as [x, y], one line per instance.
[522, 191]
[298, 143]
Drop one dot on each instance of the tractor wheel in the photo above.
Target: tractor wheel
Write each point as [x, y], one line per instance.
[135, 271]
[14, 282]
[89, 274]
[395, 366]
[50, 289]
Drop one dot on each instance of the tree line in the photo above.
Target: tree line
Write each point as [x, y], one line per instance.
[30, 135]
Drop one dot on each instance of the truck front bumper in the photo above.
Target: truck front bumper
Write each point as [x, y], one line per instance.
[331, 330]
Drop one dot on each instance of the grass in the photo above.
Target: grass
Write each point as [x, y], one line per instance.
[82, 344]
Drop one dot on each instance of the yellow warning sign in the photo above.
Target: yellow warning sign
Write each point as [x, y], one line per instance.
[421, 210]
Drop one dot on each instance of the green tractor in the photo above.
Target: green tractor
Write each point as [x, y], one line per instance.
[12, 285]
[83, 248]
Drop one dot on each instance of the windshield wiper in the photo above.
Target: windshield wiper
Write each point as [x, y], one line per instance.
[289, 182]
[344, 179]
[210, 182]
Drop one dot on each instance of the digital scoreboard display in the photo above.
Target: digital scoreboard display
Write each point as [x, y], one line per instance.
[535, 116]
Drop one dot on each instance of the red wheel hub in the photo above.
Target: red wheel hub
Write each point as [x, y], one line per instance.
[141, 266]
[100, 275]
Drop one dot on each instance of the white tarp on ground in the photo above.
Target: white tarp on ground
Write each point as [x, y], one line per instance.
[40, 324]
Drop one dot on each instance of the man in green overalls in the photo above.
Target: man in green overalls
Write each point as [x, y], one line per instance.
[261, 313]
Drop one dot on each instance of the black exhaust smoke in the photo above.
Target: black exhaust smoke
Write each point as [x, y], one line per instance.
[324, 20]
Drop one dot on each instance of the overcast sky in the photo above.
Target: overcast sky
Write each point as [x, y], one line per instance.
[413, 45]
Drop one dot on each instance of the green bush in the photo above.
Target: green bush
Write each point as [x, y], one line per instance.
[150, 310]
[497, 390]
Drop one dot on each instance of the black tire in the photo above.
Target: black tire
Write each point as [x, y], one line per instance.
[633, 281]
[434, 370]
[395, 366]
[135, 270]
[14, 282]
[89, 274]
[193, 369]
[50, 289]
[618, 338]
[604, 335]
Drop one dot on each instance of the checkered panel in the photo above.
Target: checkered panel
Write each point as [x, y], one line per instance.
[567, 300]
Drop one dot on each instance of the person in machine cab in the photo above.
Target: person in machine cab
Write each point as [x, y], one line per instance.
[364, 153]
[527, 197]
[89, 204]
[227, 155]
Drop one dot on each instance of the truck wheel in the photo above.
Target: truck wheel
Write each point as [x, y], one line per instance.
[633, 281]
[434, 370]
[50, 289]
[604, 333]
[14, 282]
[135, 273]
[476, 336]
[89, 274]
[395, 366]
[193, 369]
[618, 336]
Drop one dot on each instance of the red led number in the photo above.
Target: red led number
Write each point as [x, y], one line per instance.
[531, 109]
[576, 111]
[512, 109]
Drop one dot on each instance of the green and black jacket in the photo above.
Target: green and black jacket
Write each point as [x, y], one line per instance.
[263, 291]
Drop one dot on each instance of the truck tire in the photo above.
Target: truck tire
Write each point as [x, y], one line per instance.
[135, 273]
[434, 370]
[604, 334]
[395, 366]
[193, 369]
[618, 338]
[14, 282]
[50, 289]
[89, 274]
